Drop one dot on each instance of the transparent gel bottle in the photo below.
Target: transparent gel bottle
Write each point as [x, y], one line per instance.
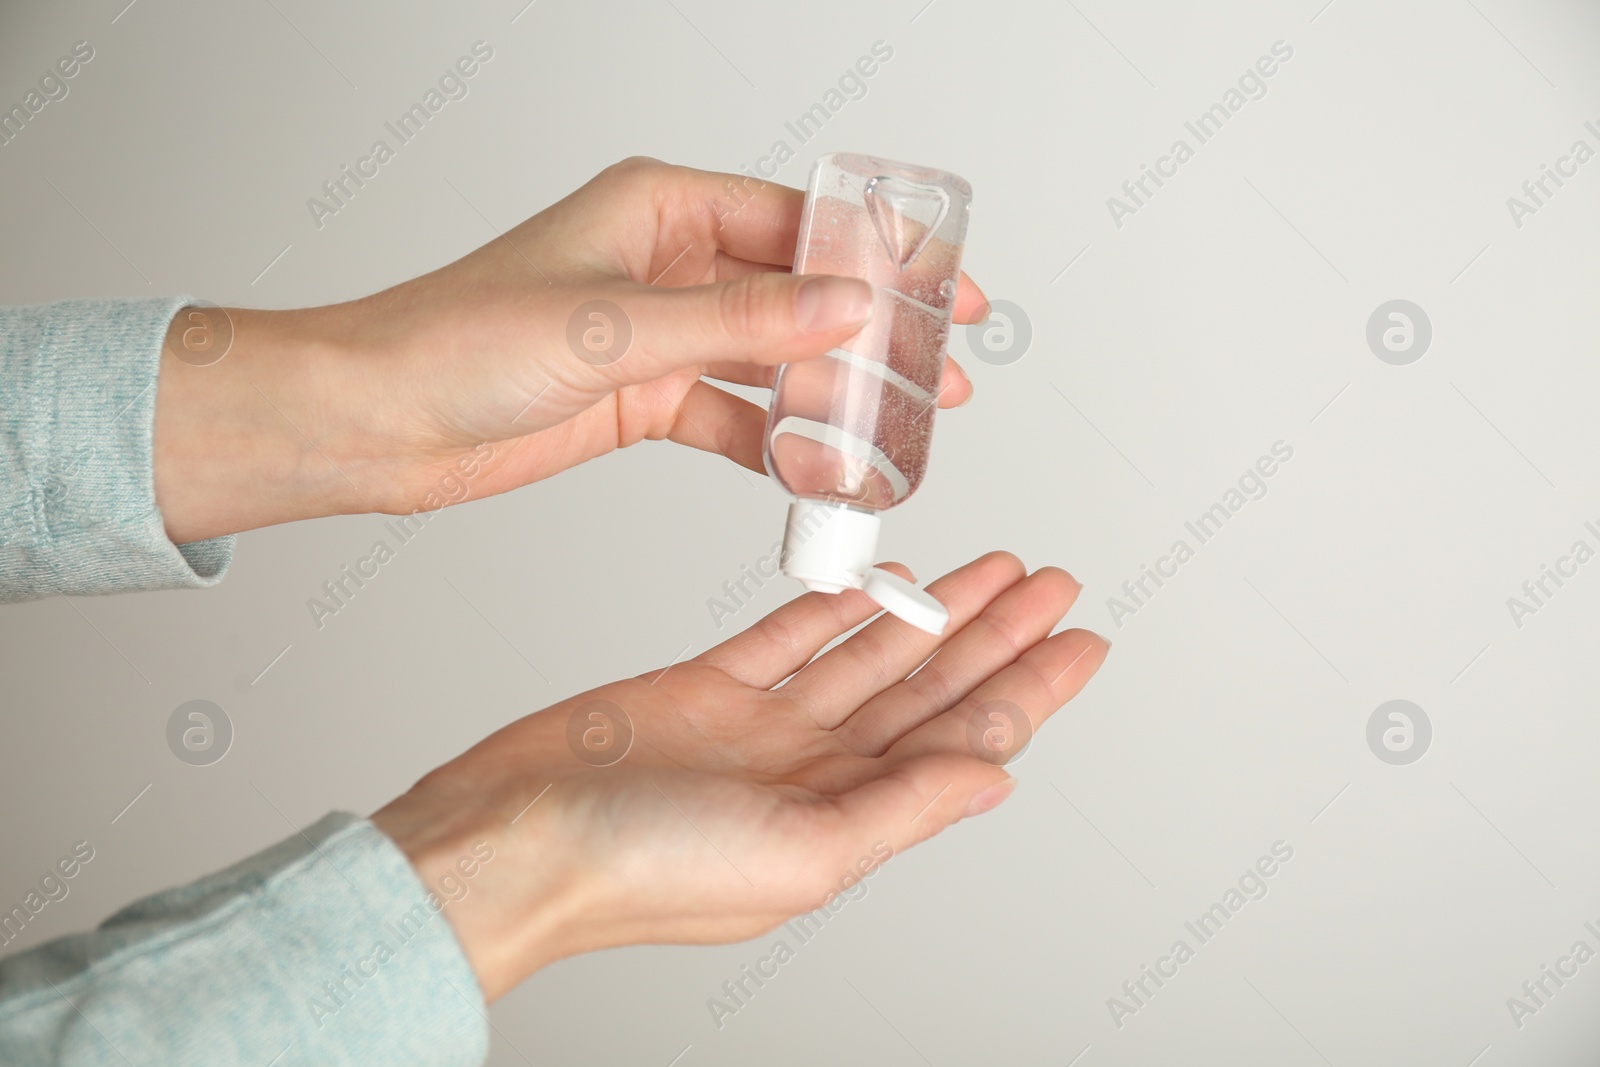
[848, 434]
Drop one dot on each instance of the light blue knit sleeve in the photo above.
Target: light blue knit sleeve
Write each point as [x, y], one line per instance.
[325, 949]
[77, 491]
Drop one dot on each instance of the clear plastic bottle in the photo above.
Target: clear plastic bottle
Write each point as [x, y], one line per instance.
[848, 434]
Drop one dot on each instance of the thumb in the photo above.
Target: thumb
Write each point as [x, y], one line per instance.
[763, 318]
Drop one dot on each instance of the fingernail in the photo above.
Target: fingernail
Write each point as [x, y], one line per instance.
[963, 376]
[912, 578]
[990, 798]
[951, 389]
[983, 314]
[829, 302]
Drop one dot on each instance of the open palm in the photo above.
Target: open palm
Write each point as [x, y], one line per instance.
[744, 798]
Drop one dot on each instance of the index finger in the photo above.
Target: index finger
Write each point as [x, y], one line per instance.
[748, 217]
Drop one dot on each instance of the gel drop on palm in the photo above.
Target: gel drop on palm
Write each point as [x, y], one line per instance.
[848, 433]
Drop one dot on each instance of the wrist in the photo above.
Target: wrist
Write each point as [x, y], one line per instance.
[520, 907]
[250, 421]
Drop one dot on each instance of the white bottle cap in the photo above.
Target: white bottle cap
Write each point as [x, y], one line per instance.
[830, 547]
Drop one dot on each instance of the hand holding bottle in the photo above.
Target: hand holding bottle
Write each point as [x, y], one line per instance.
[365, 406]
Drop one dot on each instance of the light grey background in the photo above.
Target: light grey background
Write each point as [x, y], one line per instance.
[1227, 314]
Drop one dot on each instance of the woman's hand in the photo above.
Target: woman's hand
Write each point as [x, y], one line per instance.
[373, 404]
[741, 802]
